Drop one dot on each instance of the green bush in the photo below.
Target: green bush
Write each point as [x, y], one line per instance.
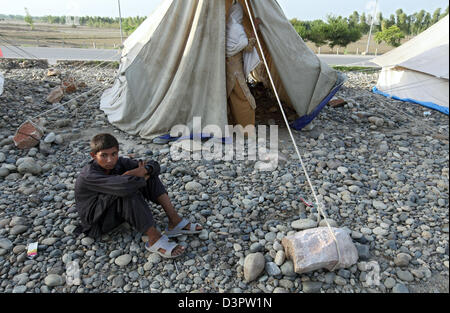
[29, 19]
[339, 32]
[392, 36]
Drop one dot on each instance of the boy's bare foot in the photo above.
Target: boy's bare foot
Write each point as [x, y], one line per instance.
[174, 218]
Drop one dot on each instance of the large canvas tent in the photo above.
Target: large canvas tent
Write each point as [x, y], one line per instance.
[173, 68]
[418, 70]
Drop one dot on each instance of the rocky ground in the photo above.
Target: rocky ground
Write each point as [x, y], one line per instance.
[380, 167]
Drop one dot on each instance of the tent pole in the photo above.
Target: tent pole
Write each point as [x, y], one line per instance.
[120, 23]
[371, 28]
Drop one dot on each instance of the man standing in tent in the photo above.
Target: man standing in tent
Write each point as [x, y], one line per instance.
[242, 58]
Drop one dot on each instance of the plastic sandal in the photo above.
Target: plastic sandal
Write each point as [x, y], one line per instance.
[163, 243]
[179, 231]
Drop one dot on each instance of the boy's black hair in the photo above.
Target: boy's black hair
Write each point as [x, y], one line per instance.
[103, 142]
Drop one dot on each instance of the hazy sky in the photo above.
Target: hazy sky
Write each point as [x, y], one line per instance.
[301, 9]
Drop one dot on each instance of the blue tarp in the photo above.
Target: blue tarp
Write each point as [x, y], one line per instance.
[430, 105]
[202, 137]
[303, 121]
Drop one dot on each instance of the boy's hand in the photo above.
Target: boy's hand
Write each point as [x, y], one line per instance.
[138, 172]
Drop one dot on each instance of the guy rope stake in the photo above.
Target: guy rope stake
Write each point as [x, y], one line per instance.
[318, 204]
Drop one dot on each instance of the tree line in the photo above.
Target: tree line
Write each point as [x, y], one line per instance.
[335, 31]
[129, 24]
[341, 31]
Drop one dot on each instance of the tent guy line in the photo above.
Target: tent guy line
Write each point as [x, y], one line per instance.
[319, 204]
[3, 39]
[33, 57]
[101, 88]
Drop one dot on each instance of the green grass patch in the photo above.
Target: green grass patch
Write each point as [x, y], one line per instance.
[101, 64]
[367, 69]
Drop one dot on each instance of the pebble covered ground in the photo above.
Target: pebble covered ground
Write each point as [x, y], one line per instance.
[380, 167]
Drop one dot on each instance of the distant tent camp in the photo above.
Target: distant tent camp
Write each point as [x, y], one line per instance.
[418, 71]
[173, 68]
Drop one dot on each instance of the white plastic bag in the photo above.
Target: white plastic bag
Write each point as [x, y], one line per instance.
[315, 248]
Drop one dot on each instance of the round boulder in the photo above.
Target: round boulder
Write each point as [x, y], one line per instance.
[123, 260]
[193, 186]
[402, 259]
[53, 280]
[29, 165]
[254, 265]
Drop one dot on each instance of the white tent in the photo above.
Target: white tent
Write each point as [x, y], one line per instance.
[173, 68]
[418, 71]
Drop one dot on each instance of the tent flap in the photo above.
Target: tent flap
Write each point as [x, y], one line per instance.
[173, 68]
[160, 81]
[306, 79]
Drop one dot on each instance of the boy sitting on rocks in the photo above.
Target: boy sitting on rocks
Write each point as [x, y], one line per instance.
[111, 190]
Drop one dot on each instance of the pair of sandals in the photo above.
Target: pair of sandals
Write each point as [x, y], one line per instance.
[169, 246]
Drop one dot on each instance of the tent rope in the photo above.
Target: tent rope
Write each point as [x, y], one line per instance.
[97, 89]
[319, 204]
[75, 69]
[63, 104]
[6, 41]
[90, 91]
